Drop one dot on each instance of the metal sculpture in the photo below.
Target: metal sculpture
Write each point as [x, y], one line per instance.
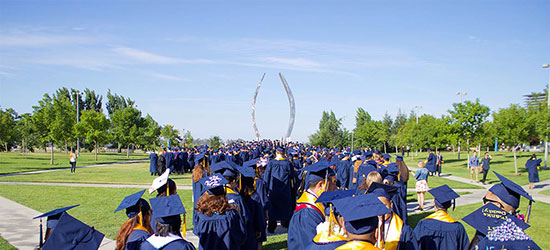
[290, 103]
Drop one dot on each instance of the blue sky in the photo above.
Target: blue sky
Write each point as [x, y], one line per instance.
[196, 65]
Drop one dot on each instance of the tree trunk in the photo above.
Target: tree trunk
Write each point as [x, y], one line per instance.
[385, 152]
[51, 159]
[468, 150]
[128, 151]
[66, 152]
[515, 161]
[96, 151]
[396, 151]
[6, 146]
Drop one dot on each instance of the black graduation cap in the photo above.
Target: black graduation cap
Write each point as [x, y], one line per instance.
[54, 215]
[133, 204]
[71, 233]
[360, 212]
[443, 196]
[490, 216]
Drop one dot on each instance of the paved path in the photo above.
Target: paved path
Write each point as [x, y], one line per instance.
[60, 169]
[20, 230]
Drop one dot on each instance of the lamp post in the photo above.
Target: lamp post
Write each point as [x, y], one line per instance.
[78, 121]
[545, 66]
[417, 107]
[461, 94]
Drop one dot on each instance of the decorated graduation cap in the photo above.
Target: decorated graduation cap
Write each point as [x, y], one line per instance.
[444, 196]
[214, 184]
[489, 216]
[360, 212]
[134, 204]
[510, 193]
[71, 233]
[508, 235]
[318, 171]
[382, 190]
[159, 181]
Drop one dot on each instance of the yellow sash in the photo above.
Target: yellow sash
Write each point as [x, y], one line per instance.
[441, 216]
[394, 233]
[230, 191]
[324, 237]
[357, 245]
[140, 227]
[310, 199]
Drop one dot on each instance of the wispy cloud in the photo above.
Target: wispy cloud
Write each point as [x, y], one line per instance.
[200, 100]
[148, 57]
[295, 62]
[167, 77]
[28, 40]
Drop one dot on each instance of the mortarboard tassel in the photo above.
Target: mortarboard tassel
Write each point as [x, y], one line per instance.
[184, 229]
[167, 188]
[454, 204]
[330, 220]
[40, 242]
[528, 212]
[240, 183]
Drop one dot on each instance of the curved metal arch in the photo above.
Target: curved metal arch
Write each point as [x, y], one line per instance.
[290, 103]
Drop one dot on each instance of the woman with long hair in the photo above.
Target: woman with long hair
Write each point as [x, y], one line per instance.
[219, 225]
[421, 183]
[200, 171]
[137, 228]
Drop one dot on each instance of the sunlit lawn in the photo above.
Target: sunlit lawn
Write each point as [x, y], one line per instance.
[503, 163]
[135, 173]
[5, 245]
[11, 162]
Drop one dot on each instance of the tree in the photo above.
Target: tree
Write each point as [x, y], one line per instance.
[470, 116]
[116, 102]
[93, 126]
[188, 139]
[150, 137]
[331, 132]
[127, 127]
[92, 101]
[512, 126]
[42, 121]
[64, 118]
[8, 132]
[171, 135]
[215, 142]
[398, 122]
[26, 132]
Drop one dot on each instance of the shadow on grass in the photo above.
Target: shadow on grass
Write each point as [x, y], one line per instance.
[276, 245]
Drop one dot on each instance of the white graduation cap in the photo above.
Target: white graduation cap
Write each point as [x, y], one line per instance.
[159, 181]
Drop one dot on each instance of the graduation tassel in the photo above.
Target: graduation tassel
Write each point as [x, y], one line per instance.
[40, 243]
[240, 183]
[454, 203]
[330, 219]
[167, 188]
[528, 212]
[184, 229]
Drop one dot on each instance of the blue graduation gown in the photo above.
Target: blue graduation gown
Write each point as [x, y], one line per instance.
[407, 240]
[531, 166]
[361, 174]
[303, 225]
[153, 163]
[237, 201]
[343, 168]
[221, 231]
[437, 231]
[191, 160]
[262, 193]
[255, 223]
[278, 176]
[180, 244]
[135, 239]
[431, 163]
[400, 207]
[169, 156]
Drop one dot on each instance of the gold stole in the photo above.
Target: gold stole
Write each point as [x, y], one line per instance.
[357, 245]
[310, 199]
[324, 237]
[394, 233]
[441, 216]
[230, 190]
[140, 227]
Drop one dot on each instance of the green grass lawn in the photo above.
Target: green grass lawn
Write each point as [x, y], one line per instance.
[11, 162]
[135, 173]
[412, 196]
[503, 163]
[539, 230]
[435, 181]
[96, 204]
[5, 245]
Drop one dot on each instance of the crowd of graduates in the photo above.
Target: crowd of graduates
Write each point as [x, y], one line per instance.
[326, 198]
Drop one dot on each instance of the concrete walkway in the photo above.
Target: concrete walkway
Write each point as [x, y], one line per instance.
[60, 169]
[86, 185]
[20, 230]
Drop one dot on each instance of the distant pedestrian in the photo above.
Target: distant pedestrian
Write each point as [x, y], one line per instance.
[532, 165]
[438, 163]
[485, 166]
[153, 158]
[161, 162]
[421, 183]
[72, 161]
[474, 167]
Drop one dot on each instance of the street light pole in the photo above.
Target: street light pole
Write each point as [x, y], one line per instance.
[417, 107]
[545, 66]
[461, 94]
[78, 121]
